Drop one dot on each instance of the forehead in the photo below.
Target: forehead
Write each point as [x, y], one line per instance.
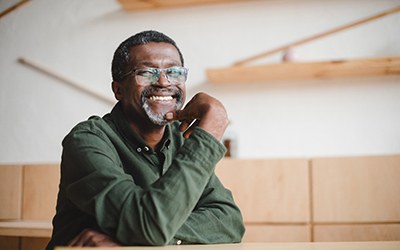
[155, 53]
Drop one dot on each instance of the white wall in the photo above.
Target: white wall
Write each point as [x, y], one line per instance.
[356, 116]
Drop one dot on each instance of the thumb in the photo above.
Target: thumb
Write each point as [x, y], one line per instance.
[172, 115]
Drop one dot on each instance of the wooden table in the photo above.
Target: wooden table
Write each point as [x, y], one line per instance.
[368, 245]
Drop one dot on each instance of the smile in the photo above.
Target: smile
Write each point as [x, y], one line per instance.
[160, 98]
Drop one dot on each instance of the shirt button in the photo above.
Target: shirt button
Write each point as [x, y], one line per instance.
[178, 242]
[146, 149]
[139, 150]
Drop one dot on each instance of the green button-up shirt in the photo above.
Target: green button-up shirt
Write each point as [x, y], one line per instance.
[113, 182]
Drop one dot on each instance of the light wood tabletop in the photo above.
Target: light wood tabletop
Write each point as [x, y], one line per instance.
[367, 245]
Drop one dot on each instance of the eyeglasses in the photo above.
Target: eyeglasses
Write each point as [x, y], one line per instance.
[150, 76]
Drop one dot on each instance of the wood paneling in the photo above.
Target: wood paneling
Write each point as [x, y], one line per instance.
[277, 233]
[40, 191]
[282, 200]
[9, 243]
[376, 232]
[10, 191]
[29, 243]
[358, 189]
[268, 190]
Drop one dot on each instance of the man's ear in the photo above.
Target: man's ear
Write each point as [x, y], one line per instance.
[117, 89]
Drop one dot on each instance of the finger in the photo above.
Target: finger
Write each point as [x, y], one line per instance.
[170, 116]
[189, 131]
[102, 240]
[177, 115]
[185, 125]
[190, 112]
[108, 243]
[73, 242]
[83, 238]
[77, 241]
[89, 241]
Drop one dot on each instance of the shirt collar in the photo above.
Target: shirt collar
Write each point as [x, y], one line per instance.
[136, 141]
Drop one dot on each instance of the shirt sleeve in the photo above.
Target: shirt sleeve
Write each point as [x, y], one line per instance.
[216, 218]
[95, 183]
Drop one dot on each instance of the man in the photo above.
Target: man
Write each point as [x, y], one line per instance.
[144, 174]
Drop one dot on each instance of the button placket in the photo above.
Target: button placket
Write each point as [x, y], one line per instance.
[141, 149]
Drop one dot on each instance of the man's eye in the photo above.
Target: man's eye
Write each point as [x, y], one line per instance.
[146, 73]
[174, 71]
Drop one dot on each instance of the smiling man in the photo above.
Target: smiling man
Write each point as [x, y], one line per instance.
[144, 173]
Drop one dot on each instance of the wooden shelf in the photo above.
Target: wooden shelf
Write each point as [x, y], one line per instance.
[157, 4]
[304, 71]
[242, 72]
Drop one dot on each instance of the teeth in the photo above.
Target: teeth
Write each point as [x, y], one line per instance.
[160, 98]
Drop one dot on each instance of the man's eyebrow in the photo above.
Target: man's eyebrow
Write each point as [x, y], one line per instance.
[152, 64]
[146, 62]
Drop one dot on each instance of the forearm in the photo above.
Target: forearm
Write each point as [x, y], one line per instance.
[216, 219]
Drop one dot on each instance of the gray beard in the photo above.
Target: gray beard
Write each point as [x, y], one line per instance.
[159, 118]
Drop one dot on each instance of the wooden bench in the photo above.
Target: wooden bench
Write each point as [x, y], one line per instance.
[321, 199]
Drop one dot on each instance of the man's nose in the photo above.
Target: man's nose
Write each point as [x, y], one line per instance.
[163, 80]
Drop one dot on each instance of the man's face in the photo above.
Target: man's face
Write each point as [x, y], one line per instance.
[151, 103]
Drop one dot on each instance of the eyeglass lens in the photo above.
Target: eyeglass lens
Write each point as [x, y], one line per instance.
[150, 76]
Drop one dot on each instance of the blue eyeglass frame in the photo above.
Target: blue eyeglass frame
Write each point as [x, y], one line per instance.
[155, 74]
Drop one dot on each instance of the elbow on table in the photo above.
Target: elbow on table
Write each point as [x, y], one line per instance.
[237, 233]
[161, 241]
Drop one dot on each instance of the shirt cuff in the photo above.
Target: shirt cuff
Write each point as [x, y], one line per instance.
[205, 146]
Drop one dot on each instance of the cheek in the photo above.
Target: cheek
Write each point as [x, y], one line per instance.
[131, 97]
[135, 93]
[183, 89]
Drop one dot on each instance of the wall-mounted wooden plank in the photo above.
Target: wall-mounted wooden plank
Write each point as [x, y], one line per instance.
[268, 190]
[319, 35]
[304, 71]
[130, 5]
[66, 80]
[13, 8]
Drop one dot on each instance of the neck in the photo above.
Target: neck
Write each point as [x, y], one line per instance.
[152, 135]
